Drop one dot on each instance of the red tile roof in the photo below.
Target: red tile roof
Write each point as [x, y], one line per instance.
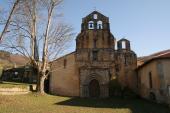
[158, 55]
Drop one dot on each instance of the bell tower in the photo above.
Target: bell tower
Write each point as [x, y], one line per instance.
[95, 48]
[95, 32]
[95, 21]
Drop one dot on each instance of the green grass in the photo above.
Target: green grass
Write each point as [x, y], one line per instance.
[33, 103]
[13, 85]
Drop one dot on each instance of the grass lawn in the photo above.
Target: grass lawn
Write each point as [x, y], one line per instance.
[13, 85]
[33, 103]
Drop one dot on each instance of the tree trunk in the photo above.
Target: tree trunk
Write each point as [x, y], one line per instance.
[40, 84]
[1, 78]
[45, 53]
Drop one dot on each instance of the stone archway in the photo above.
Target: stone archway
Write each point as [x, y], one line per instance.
[94, 88]
[94, 83]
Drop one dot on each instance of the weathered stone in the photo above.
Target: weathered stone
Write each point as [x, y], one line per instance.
[154, 79]
[95, 61]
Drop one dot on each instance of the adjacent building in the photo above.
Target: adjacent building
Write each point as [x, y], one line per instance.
[154, 78]
[16, 68]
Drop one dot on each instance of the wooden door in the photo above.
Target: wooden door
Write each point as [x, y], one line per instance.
[94, 89]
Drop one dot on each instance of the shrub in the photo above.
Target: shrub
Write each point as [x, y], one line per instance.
[114, 88]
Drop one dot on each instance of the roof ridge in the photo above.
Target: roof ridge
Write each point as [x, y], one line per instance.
[161, 54]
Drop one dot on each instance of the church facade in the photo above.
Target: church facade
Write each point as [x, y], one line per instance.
[88, 70]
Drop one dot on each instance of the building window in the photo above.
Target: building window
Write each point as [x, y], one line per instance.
[95, 43]
[95, 16]
[95, 55]
[125, 60]
[137, 80]
[169, 90]
[99, 25]
[150, 80]
[123, 45]
[91, 25]
[160, 70]
[117, 68]
[65, 63]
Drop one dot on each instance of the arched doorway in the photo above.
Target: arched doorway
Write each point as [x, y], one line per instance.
[94, 88]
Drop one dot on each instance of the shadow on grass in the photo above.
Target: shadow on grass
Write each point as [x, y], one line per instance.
[135, 105]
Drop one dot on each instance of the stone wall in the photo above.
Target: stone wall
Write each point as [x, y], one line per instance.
[14, 91]
[160, 80]
[166, 79]
[64, 78]
[126, 64]
[95, 58]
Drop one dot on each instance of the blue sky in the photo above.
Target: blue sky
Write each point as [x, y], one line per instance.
[146, 23]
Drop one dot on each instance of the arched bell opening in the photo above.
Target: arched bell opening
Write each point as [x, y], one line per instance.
[91, 25]
[100, 25]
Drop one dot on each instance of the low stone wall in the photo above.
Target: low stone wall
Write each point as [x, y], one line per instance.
[14, 91]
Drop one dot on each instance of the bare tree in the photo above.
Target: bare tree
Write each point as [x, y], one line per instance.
[8, 20]
[33, 31]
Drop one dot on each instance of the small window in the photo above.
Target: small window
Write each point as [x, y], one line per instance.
[123, 45]
[95, 43]
[125, 62]
[99, 25]
[65, 63]
[137, 80]
[95, 55]
[169, 90]
[95, 16]
[117, 68]
[150, 80]
[91, 25]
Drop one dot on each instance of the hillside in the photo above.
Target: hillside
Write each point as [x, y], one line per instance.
[8, 60]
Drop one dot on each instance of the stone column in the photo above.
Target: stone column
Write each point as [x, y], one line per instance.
[84, 91]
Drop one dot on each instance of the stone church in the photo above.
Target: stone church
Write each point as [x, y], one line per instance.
[88, 70]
